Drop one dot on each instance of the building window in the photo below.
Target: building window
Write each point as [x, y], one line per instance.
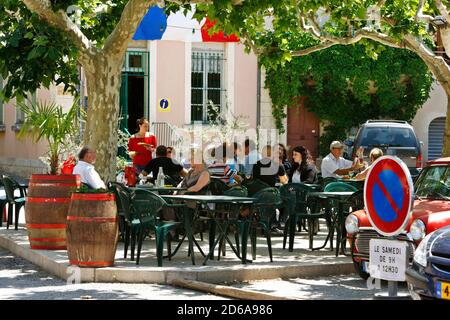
[207, 85]
[135, 62]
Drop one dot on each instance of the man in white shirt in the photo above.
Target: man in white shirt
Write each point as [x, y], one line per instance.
[251, 156]
[85, 168]
[334, 165]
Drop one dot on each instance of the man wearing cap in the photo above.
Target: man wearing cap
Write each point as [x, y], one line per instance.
[334, 165]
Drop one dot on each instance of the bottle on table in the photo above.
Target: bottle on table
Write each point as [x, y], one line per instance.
[160, 178]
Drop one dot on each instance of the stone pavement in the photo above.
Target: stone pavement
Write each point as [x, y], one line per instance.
[299, 263]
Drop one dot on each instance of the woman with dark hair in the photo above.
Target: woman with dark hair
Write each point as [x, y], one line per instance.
[303, 168]
[141, 145]
[283, 158]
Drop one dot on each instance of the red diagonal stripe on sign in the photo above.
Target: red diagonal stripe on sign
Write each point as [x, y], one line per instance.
[388, 196]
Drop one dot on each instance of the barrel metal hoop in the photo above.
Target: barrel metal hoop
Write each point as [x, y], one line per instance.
[47, 200]
[93, 197]
[46, 226]
[91, 219]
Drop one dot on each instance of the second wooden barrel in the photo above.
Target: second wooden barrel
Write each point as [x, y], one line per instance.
[92, 229]
[46, 209]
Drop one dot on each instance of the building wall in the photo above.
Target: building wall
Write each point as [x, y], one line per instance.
[245, 84]
[20, 156]
[170, 81]
[434, 107]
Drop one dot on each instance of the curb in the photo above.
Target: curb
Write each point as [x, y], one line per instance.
[166, 275]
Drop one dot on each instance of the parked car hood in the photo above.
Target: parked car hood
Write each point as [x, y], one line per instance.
[434, 213]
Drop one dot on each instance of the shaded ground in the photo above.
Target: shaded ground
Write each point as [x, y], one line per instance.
[20, 279]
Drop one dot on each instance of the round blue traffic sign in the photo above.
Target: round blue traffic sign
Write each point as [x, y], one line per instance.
[388, 195]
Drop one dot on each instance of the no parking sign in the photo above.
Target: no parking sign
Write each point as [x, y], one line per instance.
[389, 195]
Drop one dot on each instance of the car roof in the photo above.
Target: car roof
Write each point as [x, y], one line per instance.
[439, 161]
[387, 124]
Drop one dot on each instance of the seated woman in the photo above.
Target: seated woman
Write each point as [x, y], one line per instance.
[303, 168]
[198, 178]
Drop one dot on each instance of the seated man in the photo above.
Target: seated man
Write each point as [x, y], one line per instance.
[334, 165]
[170, 166]
[268, 169]
[375, 153]
[85, 168]
[224, 167]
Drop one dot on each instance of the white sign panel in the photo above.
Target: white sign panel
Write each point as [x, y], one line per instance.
[388, 259]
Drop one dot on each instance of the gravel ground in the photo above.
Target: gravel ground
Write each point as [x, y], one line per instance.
[20, 280]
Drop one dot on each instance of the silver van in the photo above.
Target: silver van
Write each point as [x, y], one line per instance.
[393, 137]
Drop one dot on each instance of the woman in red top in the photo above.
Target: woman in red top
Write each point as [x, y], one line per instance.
[141, 145]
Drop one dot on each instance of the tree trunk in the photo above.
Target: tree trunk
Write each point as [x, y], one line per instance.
[103, 85]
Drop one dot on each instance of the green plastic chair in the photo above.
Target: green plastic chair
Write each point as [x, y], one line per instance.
[122, 193]
[339, 186]
[146, 207]
[354, 203]
[255, 185]
[325, 181]
[10, 186]
[3, 202]
[265, 205]
[295, 201]
[236, 224]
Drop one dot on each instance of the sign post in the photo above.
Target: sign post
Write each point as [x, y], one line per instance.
[388, 198]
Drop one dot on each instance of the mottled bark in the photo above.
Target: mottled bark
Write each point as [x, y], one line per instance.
[103, 110]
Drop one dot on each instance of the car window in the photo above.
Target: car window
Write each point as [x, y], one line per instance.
[434, 182]
[388, 136]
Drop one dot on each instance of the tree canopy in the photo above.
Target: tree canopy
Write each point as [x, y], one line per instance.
[345, 86]
[41, 42]
[267, 28]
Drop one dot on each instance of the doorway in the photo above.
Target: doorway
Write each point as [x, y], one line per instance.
[132, 101]
[135, 101]
[303, 127]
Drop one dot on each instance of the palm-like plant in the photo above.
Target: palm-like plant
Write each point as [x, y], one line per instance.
[48, 121]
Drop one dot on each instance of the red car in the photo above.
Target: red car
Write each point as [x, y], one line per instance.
[431, 211]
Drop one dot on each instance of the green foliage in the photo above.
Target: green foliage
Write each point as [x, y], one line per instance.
[35, 54]
[48, 121]
[32, 53]
[86, 189]
[336, 84]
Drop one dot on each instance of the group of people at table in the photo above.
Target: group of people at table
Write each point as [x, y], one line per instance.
[194, 175]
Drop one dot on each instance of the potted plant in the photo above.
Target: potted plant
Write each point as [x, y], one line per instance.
[49, 194]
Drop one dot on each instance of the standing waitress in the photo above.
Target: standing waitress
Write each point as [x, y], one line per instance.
[141, 145]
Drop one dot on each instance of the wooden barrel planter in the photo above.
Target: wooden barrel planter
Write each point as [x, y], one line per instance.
[46, 209]
[92, 229]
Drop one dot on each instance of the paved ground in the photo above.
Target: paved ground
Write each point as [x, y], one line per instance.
[20, 279]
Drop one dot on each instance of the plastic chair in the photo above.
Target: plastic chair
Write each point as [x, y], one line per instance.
[238, 191]
[267, 201]
[10, 186]
[3, 203]
[325, 181]
[254, 186]
[146, 207]
[123, 200]
[338, 187]
[217, 187]
[116, 187]
[295, 200]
